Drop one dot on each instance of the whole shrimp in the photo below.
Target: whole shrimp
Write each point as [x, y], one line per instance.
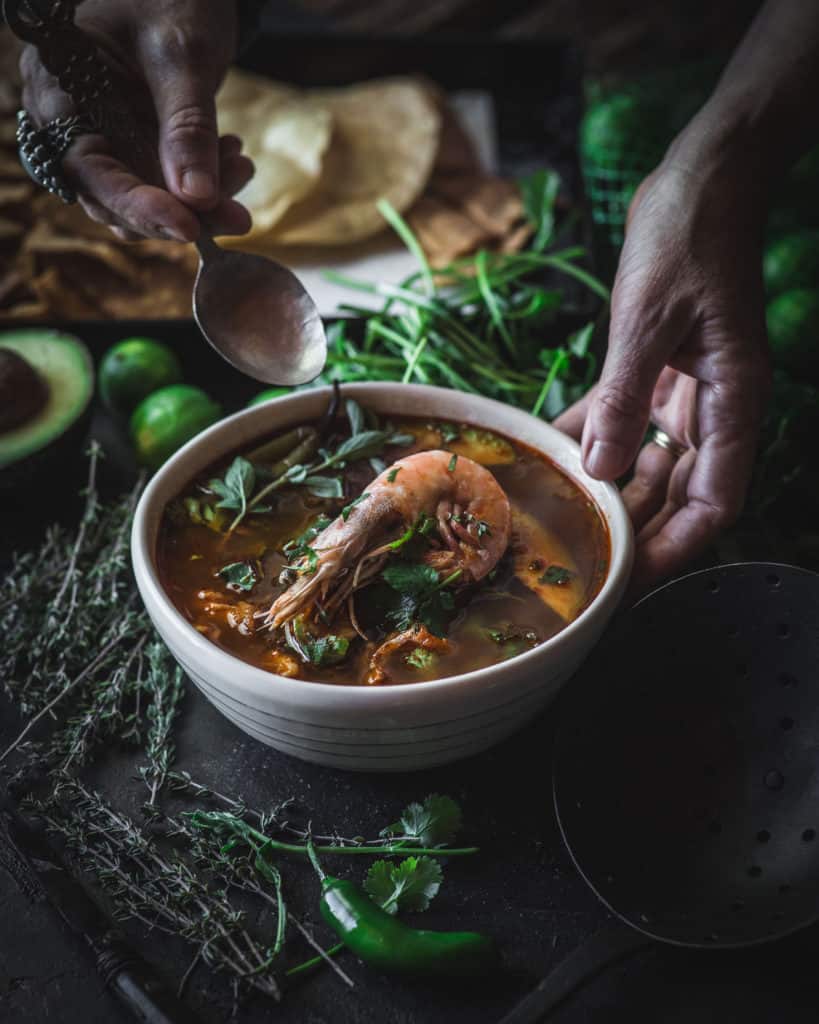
[469, 506]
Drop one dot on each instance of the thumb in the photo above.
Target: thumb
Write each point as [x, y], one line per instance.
[619, 412]
[188, 138]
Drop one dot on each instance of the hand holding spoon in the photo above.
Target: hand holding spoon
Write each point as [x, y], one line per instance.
[253, 311]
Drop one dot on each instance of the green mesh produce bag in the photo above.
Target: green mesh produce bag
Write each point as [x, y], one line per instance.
[627, 126]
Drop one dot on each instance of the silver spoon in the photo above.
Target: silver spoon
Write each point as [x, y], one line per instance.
[257, 315]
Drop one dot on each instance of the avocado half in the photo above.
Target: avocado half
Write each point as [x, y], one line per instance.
[46, 385]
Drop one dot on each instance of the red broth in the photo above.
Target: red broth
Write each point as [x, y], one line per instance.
[554, 566]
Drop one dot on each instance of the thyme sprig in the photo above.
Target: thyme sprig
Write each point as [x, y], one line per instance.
[161, 890]
[75, 635]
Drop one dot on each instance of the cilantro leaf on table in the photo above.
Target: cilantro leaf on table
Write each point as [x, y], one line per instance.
[435, 822]
[408, 885]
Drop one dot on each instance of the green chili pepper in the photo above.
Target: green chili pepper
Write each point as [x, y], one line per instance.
[389, 944]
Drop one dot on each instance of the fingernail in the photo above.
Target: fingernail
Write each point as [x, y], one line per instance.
[605, 460]
[198, 184]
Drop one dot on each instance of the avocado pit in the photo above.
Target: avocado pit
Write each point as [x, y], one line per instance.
[23, 392]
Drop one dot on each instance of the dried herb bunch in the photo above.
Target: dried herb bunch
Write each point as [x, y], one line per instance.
[79, 648]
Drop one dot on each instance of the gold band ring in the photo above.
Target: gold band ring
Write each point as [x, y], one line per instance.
[664, 440]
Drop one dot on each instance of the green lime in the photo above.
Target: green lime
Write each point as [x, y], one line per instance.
[622, 133]
[265, 396]
[168, 418]
[793, 331]
[792, 261]
[132, 369]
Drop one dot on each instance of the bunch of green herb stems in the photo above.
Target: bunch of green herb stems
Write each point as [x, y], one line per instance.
[486, 329]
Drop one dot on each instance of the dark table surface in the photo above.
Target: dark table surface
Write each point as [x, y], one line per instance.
[522, 887]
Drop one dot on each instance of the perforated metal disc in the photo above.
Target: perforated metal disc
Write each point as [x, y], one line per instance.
[686, 776]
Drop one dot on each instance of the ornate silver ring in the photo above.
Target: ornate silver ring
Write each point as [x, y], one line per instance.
[42, 149]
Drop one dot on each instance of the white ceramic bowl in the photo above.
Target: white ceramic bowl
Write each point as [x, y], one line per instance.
[391, 728]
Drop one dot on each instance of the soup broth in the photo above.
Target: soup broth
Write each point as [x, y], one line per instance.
[408, 601]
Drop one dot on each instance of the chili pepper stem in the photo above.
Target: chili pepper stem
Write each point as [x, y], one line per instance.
[311, 853]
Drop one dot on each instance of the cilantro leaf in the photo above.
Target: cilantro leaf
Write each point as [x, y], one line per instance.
[327, 650]
[435, 822]
[299, 549]
[238, 576]
[408, 885]
[556, 574]
[423, 597]
[323, 650]
[434, 611]
[449, 432]
[345, 512]
[420, 658]
[410, 578]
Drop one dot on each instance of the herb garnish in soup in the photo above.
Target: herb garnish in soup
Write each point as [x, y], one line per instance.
[367, 552]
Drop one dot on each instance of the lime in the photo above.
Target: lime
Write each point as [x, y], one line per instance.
[792, 262]
[622, 133]
[168, 418]
[793, 331]
[132, 369]
[265, 396]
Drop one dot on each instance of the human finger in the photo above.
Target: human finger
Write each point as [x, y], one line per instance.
[181, 85]
[235, 172]
[571, 420]
[148, 210]
[645, 494]
[647, 325]
[707, 487]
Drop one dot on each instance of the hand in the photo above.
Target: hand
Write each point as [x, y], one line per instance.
[172, 56]
[688, 352]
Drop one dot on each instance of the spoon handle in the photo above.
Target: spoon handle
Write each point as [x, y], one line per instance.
[206, 244]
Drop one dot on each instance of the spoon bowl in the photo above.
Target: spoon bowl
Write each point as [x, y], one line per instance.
[257, 315]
